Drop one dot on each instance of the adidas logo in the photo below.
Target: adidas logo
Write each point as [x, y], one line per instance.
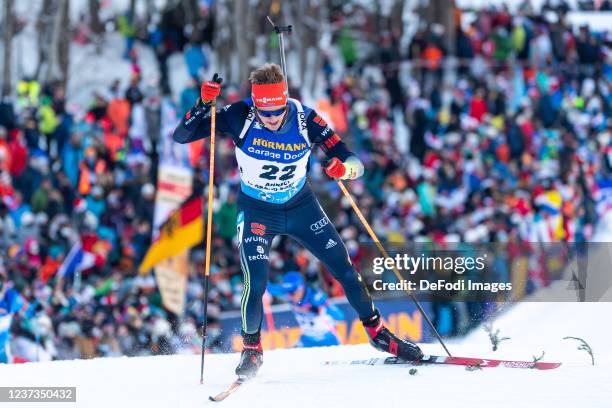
[330, 244]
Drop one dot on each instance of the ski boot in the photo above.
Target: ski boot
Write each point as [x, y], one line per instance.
[251, 358]
[382, 339]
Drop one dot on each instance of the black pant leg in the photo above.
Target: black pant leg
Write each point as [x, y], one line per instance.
[310, 226]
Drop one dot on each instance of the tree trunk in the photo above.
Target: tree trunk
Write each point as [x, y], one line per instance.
[59, 45]
[323, 32]
[240, 13]
[250, 39]
[190, 9]
[303, 9]
[53, 72]
[8, 41]
[132, 11]
[44, 28]
[94, 17]
[397, 14]
[442, 12]
[63, 50]
[223, 38]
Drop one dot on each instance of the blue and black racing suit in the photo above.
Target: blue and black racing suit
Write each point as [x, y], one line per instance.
[275, 197]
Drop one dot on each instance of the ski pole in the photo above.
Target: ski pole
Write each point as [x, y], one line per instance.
[211, 185]
[281, 42]
[386, 255]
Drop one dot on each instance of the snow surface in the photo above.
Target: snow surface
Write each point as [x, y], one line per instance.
[297, 378]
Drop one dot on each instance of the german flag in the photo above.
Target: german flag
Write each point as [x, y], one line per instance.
[182, 230]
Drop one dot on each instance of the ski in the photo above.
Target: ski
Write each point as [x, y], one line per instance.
[462, 361]
[233, 387]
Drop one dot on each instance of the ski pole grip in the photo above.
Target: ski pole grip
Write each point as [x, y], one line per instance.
[283, 29]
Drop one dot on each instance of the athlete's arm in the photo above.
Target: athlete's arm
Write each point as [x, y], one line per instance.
[15, 301]
[322, 135]
[344, 164]
[195, 124]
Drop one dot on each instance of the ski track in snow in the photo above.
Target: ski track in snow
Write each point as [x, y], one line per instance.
[297, 378]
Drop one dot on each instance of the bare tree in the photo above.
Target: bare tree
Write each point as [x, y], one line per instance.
[96, 26]
[63, 47]
[224, 35]
[240, 13]
[299, 16]
[396, 23]
[94, 17]
[44, 28]
[190, 9]
[250, 25]
[132, 11]
[54, 41]
[323, 34]
[442, 12]
[8, 41]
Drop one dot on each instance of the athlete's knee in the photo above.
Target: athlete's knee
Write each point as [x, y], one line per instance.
[340, 263]
[346, 274]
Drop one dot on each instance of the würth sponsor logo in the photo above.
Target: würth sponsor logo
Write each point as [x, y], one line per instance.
[330, 244]
[258, 229]
[317, 226]
[256, 239]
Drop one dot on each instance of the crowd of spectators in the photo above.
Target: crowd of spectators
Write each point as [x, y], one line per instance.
[506, 138]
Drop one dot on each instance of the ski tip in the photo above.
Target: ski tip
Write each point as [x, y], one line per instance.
[224, 394]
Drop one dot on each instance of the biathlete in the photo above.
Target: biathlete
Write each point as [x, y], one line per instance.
[311, 309]
[274, 136]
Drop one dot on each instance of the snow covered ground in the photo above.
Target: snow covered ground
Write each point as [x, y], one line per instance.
[296, 377]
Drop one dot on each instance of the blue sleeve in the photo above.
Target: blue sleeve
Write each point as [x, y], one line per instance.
[318, 298]
[335, 312]
[14, 300]
[195, 124]
[322, 135]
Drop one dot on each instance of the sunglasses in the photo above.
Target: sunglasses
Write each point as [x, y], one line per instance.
[269, 114]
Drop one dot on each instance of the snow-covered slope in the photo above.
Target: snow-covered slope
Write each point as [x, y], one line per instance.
[296, 377]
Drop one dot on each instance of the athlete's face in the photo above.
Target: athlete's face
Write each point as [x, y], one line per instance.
[272, 116]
